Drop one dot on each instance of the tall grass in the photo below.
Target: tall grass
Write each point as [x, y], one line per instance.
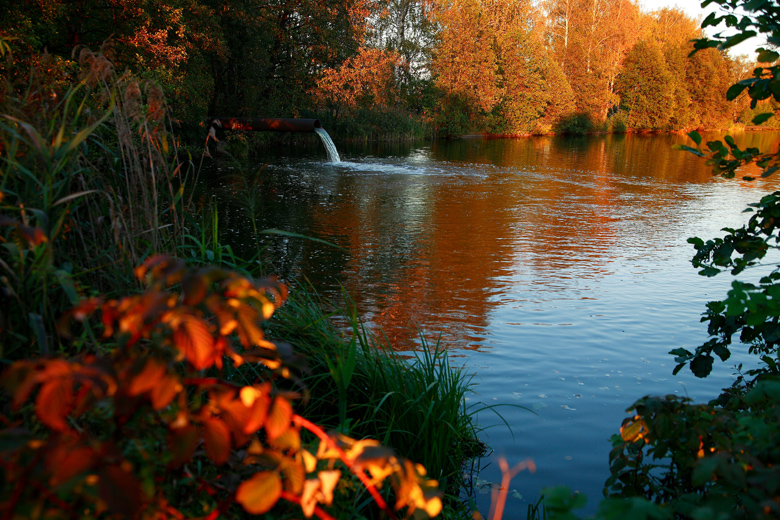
[361, 385]
[90, 184]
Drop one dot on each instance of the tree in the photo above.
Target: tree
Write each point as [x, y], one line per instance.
[643, 86]
[464, 64]
[362, 81]
[406, 28]
[590, 39]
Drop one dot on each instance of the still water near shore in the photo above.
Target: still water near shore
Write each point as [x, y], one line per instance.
[556, 270]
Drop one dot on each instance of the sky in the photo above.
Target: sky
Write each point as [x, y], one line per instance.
[693, 8]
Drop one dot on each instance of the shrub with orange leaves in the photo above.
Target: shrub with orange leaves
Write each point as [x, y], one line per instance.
[153, 422]
[365, 80]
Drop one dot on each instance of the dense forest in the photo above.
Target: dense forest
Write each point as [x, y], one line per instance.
[375, 68]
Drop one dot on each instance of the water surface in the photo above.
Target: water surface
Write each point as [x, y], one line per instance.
[556, 270]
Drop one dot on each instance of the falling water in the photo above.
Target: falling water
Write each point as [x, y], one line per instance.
[333, 154]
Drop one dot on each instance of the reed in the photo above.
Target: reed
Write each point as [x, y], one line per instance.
[359, 384]
[90, 185]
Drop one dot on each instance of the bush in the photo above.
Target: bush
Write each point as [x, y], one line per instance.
[618, 123]
[577, 124]
[147, 426]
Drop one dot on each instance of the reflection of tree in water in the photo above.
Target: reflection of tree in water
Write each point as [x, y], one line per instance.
[440, 250]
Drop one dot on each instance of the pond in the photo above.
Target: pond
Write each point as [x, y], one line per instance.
[554, 269]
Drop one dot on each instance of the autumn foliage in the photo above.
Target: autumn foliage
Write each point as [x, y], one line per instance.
[149, 421]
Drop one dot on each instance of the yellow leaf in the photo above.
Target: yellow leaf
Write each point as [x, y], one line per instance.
[309, 461]
[634, 430]
[329, 479]
[248, 395]
[260, 493]
[325, 451]
[309, 496]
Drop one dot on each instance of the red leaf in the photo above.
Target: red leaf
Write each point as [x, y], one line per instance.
[182, 443]
[66, 461]
[54, 403]
[20, 380]
[216, 436]
[260, 493]
[120, 490]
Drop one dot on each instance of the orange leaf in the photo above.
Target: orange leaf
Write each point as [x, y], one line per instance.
[295, 475]
[216, 435]
[54, 402]
[289, 440]
[259, 413]
[260, 493]
[249, 332]
[236, 416]
[149, 377]
[165, 391]
[278, 418]
[194, 339]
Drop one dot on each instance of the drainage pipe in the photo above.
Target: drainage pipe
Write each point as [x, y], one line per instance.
[265, 124]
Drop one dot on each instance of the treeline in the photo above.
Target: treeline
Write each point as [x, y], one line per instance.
[395, 68]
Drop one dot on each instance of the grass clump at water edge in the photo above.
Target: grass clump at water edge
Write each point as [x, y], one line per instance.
[361, 385]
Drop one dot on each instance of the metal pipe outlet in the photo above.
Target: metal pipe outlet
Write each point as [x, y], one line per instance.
[265, 124]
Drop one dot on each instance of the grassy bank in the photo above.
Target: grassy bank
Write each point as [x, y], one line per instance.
[93, 185]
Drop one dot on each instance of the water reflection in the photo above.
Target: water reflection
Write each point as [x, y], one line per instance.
[557, 268]
[433, 234]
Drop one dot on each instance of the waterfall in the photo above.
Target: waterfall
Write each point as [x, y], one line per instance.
[333, 154]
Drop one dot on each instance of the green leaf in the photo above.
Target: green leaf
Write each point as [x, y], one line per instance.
[687, 149]
[36, 324]
[767, 56]
[736, 39]
[709, 272]
[734, 91]
[704, 471]
[701, 366]
[696, 137]
[761, 118]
